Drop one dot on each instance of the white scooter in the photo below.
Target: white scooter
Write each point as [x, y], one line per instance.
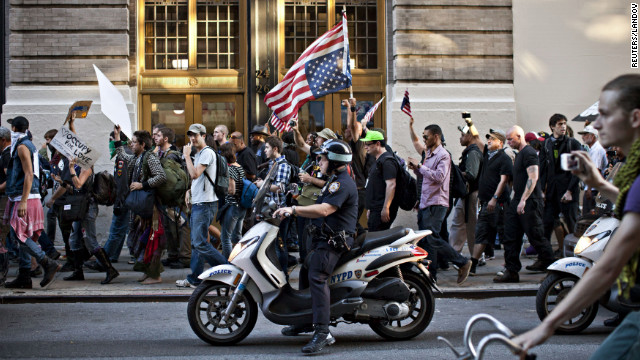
[565, 273]
[381, 282]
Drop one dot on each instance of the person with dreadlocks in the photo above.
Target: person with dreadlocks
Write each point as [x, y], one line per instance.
[618, 124]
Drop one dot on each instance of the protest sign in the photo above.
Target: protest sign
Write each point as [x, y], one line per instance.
[112, 103]
[71, 146]
[78, 110]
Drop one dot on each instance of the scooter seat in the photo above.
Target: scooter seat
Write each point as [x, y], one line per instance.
[376, 239]
[371, 241]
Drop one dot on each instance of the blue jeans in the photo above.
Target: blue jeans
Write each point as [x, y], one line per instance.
[201, 250]
[231, 228]
[117, 234]
[432, 218]
[26, 250]
[624, 341]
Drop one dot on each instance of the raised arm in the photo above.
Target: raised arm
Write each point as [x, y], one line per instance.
[353, 124]
[417, 144]
[300, 140]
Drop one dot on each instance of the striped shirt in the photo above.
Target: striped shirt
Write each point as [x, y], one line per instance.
[237, 174]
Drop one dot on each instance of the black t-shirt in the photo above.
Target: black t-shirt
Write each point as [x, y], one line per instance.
[247, 159]
[492, 169]
[376, 186]
[525, 158]
[359, 163]
[341, 192]
[5, 158]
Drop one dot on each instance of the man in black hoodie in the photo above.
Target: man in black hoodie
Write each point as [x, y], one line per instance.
[560, 188]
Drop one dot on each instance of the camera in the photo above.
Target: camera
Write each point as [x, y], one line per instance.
[293, 123]
[466, 115]
[568, 162]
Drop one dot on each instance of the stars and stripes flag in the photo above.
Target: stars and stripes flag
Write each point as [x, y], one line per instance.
[281, 125]
[369, 114]
[406, 105]
[323, 68]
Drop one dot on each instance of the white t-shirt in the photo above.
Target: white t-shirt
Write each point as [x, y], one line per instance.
[201, 188]
[599, 157]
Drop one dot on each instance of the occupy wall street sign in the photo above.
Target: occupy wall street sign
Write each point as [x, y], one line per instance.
[70, 145]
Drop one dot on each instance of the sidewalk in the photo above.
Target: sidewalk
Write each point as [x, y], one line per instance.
[125, 288]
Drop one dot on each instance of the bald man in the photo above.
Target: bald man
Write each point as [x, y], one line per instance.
[524, 214]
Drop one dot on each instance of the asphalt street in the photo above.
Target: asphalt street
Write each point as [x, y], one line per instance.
[161, 331]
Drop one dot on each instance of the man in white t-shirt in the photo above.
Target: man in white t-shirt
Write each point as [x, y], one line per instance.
[204, 204]
[599, 157]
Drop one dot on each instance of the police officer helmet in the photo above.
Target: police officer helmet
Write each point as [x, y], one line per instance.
[337, 151]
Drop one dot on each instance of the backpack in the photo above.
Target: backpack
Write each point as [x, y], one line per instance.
[458, 187]
[249, 192]
[406, 194]
[104, 188]
[294, 174]
[221, 185]
[171, 192]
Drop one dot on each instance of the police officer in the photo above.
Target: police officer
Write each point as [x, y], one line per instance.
[334, 222]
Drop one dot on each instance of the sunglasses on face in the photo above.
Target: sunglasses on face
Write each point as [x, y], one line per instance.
[369, 143]
[425, 137]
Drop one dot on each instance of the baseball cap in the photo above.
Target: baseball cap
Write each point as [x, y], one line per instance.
[498, 134]
[197, 129]
[530, 136]
[19, 121]
[327, 134]
[373, 135]
[588, 130]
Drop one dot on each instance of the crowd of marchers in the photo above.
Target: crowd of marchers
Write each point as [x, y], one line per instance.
[187, 207]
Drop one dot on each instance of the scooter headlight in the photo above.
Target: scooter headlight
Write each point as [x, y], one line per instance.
[586, 241]
[241, 245]
[583, 243]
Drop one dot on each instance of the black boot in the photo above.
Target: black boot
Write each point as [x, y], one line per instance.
[112, 273]
[321, 337]
[50, 267]
[23, 281]
[77, 274]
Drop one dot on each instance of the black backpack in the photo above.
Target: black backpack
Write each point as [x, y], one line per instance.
[221, 185]
[406, 194]
[458, 187]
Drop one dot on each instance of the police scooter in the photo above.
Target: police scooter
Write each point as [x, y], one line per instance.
[381, 282]
[564, 273]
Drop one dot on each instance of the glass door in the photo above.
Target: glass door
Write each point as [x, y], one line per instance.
[174, 111]
[214, 110]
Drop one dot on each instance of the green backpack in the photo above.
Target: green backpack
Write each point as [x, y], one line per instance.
[171, 193]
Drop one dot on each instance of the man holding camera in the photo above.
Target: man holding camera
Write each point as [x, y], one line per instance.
[598, 155]
[560, 188]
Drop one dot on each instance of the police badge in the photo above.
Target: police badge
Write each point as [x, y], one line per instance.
[358, 273]
[334, 187]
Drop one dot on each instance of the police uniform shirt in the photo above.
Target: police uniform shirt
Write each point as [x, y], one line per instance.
[341, 192]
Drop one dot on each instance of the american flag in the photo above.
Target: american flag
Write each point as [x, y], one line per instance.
[323, 68]
[281, 125]
[369, 113]
[406, 105]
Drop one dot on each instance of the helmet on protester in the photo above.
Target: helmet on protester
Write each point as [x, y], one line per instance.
[337, 151]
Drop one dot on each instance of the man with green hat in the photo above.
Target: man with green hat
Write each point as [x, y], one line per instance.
[380, 187]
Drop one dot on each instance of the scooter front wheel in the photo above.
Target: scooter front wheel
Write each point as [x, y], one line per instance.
[552, 291]
[206, 308]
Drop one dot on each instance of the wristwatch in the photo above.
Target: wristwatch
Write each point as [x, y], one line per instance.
[353, 109]
[495, 196]
[293, 210]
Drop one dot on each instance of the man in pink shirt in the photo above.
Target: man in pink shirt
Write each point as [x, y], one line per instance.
[435, 171]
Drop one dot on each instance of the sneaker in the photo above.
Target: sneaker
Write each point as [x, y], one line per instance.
[463, 272]
[507, 277]
[318, 342]
[295, 330]
[482, 261]
[185, 284]
[501, 272]
[538, 266]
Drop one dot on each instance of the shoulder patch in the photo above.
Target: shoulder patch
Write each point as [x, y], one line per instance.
[334, 187]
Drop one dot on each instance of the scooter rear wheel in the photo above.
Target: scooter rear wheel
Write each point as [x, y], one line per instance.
[206, 306]
[552, 291]
[422, 306]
